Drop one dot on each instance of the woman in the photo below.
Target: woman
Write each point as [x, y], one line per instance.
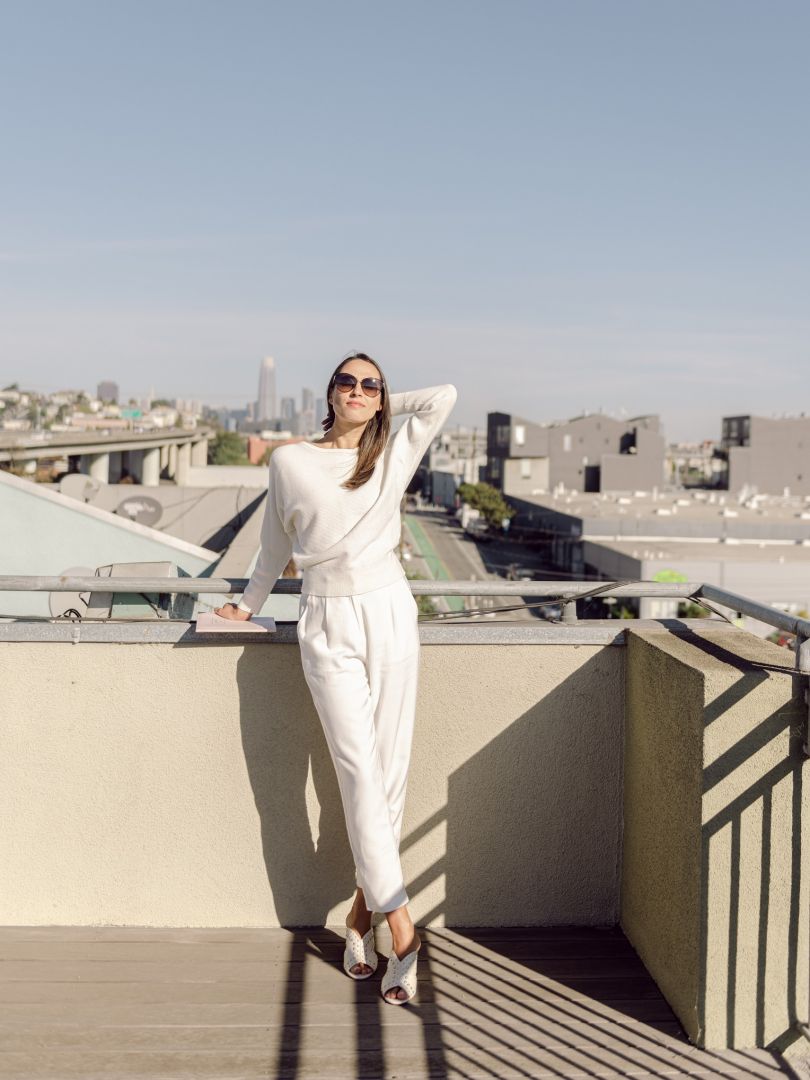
[334, 506]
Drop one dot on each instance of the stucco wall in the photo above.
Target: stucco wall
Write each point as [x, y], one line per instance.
[189, 785]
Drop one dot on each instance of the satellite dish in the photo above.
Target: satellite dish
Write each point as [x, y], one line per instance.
[60, 602]
[141, 508]
[79, 486]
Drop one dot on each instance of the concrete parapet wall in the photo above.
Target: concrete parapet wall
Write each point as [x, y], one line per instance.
[174, 784]
[714, 893]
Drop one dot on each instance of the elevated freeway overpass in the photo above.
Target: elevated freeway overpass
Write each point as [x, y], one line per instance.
[106, 457]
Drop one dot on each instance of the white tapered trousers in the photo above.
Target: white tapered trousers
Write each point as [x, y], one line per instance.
[360, 656]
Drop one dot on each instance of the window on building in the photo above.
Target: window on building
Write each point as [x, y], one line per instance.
[525, 468]
[520, 434]
[566, 442]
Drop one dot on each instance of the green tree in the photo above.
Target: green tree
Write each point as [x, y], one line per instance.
[488, 500]
[227, 448]
[687, 609]
[423, 603]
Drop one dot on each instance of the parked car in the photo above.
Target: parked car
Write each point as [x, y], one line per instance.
[478, 530]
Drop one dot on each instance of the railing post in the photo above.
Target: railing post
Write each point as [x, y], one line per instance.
[803, 665]
[569, 611]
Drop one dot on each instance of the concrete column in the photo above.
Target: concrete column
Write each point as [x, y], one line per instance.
[183, 463]
[715, 891]
[150, 467]
[164, 456]
[116, 467]
[199, 452]
[97, 466]
[171, 464]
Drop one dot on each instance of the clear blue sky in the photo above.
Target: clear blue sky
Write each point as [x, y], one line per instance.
[557, 206]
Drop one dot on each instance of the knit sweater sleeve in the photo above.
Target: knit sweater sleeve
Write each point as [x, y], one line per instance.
[429, 409]
[274, 552]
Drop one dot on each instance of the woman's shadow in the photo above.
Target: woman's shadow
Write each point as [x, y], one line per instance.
[306, 852]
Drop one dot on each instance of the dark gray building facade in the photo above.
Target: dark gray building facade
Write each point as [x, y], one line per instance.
[769, 456]
[588, 453]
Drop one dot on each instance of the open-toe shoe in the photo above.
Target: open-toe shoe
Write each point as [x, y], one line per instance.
[400, 973]
[359, 950]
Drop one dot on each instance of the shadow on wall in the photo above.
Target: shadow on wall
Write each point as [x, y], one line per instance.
[768, 862]
[714, 885]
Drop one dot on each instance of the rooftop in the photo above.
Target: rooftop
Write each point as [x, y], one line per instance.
[689, 505]
[786, 551]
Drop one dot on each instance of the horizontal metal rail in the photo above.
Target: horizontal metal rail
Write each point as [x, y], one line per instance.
[562, 590]
[569, 589]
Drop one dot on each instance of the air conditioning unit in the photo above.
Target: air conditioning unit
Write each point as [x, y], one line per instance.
[109, 604]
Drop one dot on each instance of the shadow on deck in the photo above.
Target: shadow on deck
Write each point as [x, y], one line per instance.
[124, 1002]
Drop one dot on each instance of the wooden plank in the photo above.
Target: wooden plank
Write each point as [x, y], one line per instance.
[576, 950]
[470, 1060]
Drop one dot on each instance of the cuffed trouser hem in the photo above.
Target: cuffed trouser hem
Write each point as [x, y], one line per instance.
[397, 900]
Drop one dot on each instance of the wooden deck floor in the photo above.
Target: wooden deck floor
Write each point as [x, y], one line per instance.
[127, 1003]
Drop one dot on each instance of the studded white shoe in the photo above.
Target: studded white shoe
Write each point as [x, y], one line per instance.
[400, 973]
[359, 950]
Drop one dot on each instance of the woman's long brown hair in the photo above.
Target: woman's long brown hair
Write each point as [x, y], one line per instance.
[375, 434]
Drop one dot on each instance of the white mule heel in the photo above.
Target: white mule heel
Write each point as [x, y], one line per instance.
[400, 973]
[359, 950]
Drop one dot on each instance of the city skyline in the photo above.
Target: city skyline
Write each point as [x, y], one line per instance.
[305, 403]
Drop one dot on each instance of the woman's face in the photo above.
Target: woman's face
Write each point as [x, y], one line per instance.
[353, 406]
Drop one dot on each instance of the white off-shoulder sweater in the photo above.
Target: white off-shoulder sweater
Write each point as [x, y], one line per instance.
[344, 541]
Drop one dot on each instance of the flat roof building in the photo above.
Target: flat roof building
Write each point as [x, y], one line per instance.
[770, 455]
[589, 453]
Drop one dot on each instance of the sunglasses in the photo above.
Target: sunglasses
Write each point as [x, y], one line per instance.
[346, 382]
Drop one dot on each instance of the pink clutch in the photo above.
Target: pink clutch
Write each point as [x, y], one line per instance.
[210, 623]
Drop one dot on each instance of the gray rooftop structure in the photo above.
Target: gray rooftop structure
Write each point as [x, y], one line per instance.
[669, 514]
[590, 453]
[209, 517]
[767, 454]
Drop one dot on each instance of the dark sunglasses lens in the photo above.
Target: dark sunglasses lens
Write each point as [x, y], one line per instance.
[345, 381]
[371, 386]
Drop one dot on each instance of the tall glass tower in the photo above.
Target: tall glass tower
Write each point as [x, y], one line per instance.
[266, 402]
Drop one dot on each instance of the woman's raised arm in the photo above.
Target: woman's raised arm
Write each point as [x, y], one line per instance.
[429, 410]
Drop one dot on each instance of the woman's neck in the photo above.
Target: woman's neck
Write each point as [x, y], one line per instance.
[342, 440]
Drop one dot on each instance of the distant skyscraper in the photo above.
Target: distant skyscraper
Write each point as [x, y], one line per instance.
[266, 401]
[107, 391]
[287, 408]
[307, 410]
